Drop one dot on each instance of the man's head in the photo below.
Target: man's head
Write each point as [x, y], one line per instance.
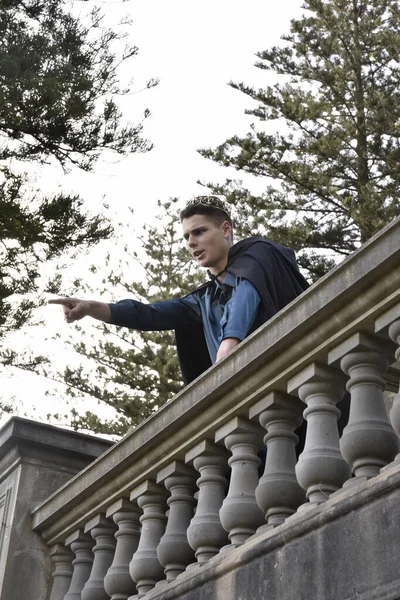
[207, 229]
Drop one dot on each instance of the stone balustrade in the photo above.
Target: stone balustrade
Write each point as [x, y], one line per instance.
[185, 490]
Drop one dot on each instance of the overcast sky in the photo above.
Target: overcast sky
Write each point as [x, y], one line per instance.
[195, 47]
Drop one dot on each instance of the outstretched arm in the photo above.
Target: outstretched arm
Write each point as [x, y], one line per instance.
[75, 309]
[131, 313]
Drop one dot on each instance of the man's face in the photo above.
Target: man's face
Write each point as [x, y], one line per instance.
[208, 243]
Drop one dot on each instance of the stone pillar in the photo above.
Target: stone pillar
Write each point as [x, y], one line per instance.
[174, 552]
[368, 442]
[102, 531]
[35, 461]
[240, 514]
[205, 533]
[278, 493]
[61, 557]
[118, 583]
[321, 469]
[145, 568]
[389, 323]
[394, 332]
[81, 545]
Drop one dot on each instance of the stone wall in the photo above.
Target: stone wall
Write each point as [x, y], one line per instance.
[35, 461]
[346, 549]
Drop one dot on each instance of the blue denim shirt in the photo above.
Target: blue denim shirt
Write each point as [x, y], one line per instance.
[227, 310]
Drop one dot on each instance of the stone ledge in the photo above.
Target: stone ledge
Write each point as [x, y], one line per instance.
[27, 434]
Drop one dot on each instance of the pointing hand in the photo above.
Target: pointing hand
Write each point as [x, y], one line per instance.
[74, 309]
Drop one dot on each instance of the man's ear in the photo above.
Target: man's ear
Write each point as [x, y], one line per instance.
[226, 229]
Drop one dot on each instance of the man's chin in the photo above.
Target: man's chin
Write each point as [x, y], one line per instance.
[202, 262]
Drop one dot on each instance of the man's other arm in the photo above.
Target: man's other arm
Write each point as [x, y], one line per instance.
[239, 314]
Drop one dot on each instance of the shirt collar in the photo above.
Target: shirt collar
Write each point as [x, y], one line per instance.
[229, 280]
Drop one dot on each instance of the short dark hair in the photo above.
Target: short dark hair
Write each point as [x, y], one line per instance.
[214, 214]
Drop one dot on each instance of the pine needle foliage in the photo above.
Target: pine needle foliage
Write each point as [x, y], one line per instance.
[326, 138]
[58, 105]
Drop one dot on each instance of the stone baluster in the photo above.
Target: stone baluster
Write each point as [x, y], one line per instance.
[205, 533]
[102, 531]
[321, 469]
[240, 514]
[368, 442]
[118, 583]
[278, 493]
[61, 558]
[174, 552]
[81, 545]
[145, 568]
[394, 332]
[389, 322]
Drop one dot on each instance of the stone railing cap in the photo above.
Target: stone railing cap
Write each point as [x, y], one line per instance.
[19, 431]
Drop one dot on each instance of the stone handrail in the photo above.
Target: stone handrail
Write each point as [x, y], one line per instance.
[129, 516]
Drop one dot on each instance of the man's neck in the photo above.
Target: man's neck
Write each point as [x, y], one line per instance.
[218, 270]
[219, 273]
[221, 278]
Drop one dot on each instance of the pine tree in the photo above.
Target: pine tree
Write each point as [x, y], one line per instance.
[132, 372]
[327, 134]
[58, 84]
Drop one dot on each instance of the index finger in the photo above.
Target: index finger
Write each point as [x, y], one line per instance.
[62, 301]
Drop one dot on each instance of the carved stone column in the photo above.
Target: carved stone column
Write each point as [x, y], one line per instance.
[240, 514]
[118, 583]
[102, 531]
[278, 493]
[205, 533]
[389, 323]
[61, 558]
[394, 332]
[145, 568]
[368, 442]
[321, 469]
[81, 545]
[173, 551]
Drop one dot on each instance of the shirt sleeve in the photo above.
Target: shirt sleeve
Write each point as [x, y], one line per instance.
[158, 316]
[240, 311]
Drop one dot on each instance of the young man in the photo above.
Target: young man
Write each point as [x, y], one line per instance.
[250, 281]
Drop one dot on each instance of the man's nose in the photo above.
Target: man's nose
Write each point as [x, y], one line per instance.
[191, 242]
